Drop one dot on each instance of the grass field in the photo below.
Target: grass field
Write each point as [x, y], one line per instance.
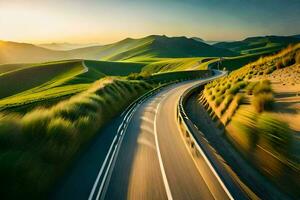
[34, 76]
[175, 64]
[259, 45]
[48, 83]
[249, 104]
[40, 144]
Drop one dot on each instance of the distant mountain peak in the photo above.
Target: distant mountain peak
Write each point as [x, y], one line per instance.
[197, 39]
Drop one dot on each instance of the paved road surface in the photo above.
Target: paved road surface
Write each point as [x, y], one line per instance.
[150, 160]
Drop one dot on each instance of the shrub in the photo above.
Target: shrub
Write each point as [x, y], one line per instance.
[219, 101]
[279, 64]
[239, 99]
[234, 89]
[288, 61]
[262, 87]
[228, 85]
[297, 57]
[269, 70]
[228, 99]
[242, 84]
[250, 87]
[212, 97]
[263, 101]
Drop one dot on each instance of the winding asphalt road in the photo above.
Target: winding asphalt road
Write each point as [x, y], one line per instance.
[142, 155]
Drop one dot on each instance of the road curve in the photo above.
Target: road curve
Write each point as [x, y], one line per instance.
[146, 159]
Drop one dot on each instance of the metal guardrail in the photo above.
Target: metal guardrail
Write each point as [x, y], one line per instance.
[197, 142]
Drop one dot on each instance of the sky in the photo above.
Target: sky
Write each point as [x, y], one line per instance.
[98, 21]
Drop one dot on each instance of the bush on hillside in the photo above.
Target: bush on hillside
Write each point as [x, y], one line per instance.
[279, 64]
[262, 102]
[250, 87]
[288, 61]
[269, 70]
[219, 100]
[262, 87]
[297, 57]
[236, 87]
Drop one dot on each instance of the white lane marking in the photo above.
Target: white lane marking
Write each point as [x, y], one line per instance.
[106, 172]
[147, 120]
[206, 160]
[150, 109]
[109, 170]
[106, 158]
[120, 127]
[162, 169]
[126, 109]
[216, 174]
[147, 129]
[102, 168]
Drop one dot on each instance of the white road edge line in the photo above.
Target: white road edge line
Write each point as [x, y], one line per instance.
[162, 169]
[113, 160]
[102, 168]
[207, 162]
[106, 158]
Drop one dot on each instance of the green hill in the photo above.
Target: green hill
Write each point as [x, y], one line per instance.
[142, 49]
[176, 64]
[25, 78]
[47, 83]
[170, 47]
[262, 44]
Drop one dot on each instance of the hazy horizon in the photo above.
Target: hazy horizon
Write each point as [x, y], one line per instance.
[100, 22]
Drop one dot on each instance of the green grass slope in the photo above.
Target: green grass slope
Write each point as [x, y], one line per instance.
[172, 47]
[98, 69]
[254, 45]
[19, 80]
[149, 47]
[175, 64]
[44, 84]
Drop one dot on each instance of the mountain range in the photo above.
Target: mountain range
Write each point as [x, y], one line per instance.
[142, 49]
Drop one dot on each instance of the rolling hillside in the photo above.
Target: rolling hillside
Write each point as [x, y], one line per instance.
[171, 47]
[142, 49]
[29, 77]
[48, 82]
[177, 64]
[257, 106]
[263, 44]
